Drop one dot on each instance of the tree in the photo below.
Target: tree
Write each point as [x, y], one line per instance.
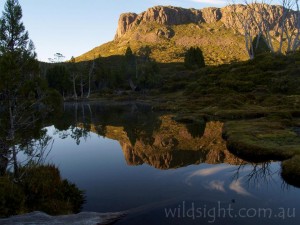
[22, 91]
[58, 77]
[194, 58]
[147, 68]
[242, 19]
[58, 58]
[149, 75]
[143, 57]
[130, 60]
[290, 34]
[259, 45]
[90, 76]
[74, 74]
[255, 18]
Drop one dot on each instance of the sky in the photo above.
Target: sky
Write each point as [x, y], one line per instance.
[73, 27]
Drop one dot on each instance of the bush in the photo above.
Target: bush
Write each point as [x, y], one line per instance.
[194, 58]
[12, 198]
[47, 192]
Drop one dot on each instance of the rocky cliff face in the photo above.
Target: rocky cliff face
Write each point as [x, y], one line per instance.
[169, 31]
[169, 15]
[126, 21]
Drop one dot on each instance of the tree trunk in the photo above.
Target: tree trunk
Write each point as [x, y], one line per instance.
[133, 87]
[74, 86]
[76, 112]
[83, 113]
[90, 110]
[3, 158]
[15, 163]
[81, 87]
[89, 88]
[11, 133]
[90, 77]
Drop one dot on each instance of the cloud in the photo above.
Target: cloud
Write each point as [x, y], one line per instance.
[238, 188]
[206, 172]
[216, 185]
[209, 171]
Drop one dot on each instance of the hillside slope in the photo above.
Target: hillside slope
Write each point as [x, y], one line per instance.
[169, 31]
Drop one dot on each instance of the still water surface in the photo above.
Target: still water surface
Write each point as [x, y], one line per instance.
[165, 172]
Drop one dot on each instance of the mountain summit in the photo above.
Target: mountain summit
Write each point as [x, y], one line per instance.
[169, 31]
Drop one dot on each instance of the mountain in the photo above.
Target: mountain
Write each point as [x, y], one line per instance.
[169, 31]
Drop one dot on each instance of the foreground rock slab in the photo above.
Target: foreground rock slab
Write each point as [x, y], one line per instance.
[84, 218]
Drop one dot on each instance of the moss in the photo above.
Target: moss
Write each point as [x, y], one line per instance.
[291, 171]
[264, 139]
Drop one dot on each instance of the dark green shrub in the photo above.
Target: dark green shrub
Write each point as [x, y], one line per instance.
[194, 58]
[12, 198]
[46, 191]
[260, 45]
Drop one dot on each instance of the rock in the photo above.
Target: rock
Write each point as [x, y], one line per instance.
[84, 218]
[166, 33]
[125, 23]
[170, 15]
[211, 15]
[165, 15]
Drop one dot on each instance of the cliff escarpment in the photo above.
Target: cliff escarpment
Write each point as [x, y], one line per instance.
[170, 16]
[169, 31]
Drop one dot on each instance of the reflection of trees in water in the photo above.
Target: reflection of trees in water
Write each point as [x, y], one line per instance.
[255, 174]
[26, 182]
[148, 137]
[75, 122]
[33, 154]
[137, 120]
[37, 186]
[33, 144]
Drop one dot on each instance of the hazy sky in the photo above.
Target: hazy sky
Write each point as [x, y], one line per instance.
[73, 27]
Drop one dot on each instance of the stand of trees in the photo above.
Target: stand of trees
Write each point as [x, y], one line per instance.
[78, 80]
[25, 101]
[255, 21]
[25, 98]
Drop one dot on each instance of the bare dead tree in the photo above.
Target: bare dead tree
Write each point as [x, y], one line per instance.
[257, 19]
[289, 23]
[291, 26]
[82, 84]
[259, 12]
[74, 76]
[243, 20]
[91, 71]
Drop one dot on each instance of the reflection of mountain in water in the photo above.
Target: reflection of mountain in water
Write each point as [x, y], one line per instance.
[173, 146]
[157, 140]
